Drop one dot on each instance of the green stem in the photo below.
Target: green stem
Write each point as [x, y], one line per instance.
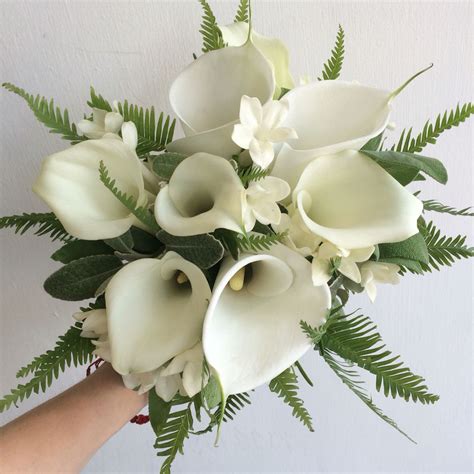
[304, 374]
[399, 89]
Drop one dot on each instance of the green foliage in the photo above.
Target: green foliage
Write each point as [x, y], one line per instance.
[252, 173]
[49, 115]
[229, 241]
[122, 243]
[43, 223]
[285, 386]
[234, 404]
[158, 411]
[332, 68]
[443, 250]
[152, 135]
[203, 250]
[404, 167]
[411, 253]
[165, 164]
[211, 34]
[431, 131]
[80, 248]
[315, 334]
[70, 349]
[374, 143]
[355, 339]
[80, 279]
[258, 242]
[351, 379]
[436, 206]
[140, 212]
[242, 12]
[98, 102]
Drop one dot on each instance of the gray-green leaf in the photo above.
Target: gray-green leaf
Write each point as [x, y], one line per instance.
[165, 164]
[79, 249]
[410, 253]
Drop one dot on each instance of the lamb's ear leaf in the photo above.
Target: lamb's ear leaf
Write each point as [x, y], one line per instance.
[81, 248]
[410, 253]
[164, 164]
[122, 243]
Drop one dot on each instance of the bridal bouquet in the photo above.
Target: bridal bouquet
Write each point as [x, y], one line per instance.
[213, 262]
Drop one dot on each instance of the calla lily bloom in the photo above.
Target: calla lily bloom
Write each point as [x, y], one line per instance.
[252, 335]
[151, 317]
[273, 49]
[206, 97]
[351, 201]
[69, 183]
[378, 272]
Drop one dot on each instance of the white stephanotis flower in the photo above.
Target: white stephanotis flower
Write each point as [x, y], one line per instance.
[378, 272]
[349, 200]
[94, 326]
[347, 266]
[260, 127]
[102, 122]
[252, 335]
[69, 183]
[151, 317]
[203, 194]
[261, 198]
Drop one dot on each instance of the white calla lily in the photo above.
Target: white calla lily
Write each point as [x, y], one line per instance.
[151, 318]
[252, 335]
[351, 201]
[273, 49]
[102, 122]
[206, 97]
[69, 183]
[203, 194]
[378, 272]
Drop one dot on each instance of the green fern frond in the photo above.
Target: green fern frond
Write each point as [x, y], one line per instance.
[356, 339]
[252, 173]
[152, 135]
[49, 115]
[211, 34]
[436, 206]
[71, 349]
[234, 404]
[431, 131]
[315, 334]
[443, 250]
[172, 435]
[258, 242]
[332, 68]
[140, 212]
[242, 12]
[285, 386]
[98, 102]
[351, 379]
[44, 223]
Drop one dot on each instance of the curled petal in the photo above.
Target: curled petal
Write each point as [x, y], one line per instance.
[69, 183]
[349, 269]
[242, 136]
[250, 111]
[112, 122]
[351, 201]
[130, 135]
[262, 152]
[252, 335]
[320, 271]
[203, 194]
[151, 318]
[167, 387]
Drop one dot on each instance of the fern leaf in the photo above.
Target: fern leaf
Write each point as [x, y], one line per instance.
[234, 404]
[140, 212]
[242, 12]
[436, 206]
[252, 173]
[351, 379]
[71, 349]
[43, 223]
[211, 34]
[258, 242]
[285, 386]
[172, 435]
[431, 131]
[355, 339]
[98, 102]
[153, 135]
[332, 68]
[49, 115]
[443, 250]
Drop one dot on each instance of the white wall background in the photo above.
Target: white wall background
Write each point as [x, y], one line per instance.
[134, 50]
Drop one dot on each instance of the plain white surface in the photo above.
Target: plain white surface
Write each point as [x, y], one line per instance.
[134, 50]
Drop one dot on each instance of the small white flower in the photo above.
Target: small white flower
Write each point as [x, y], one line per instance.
[261, 198]
[94, 326]
[260, 127]
[378, 272]
[102, 122]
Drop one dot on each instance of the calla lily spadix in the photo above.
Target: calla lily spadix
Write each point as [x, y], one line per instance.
[273, 49]
[252, 335]
[331, 116]
[351, 201]
[152, 318]
[206, 97]
[203, 194]
[69, 183]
